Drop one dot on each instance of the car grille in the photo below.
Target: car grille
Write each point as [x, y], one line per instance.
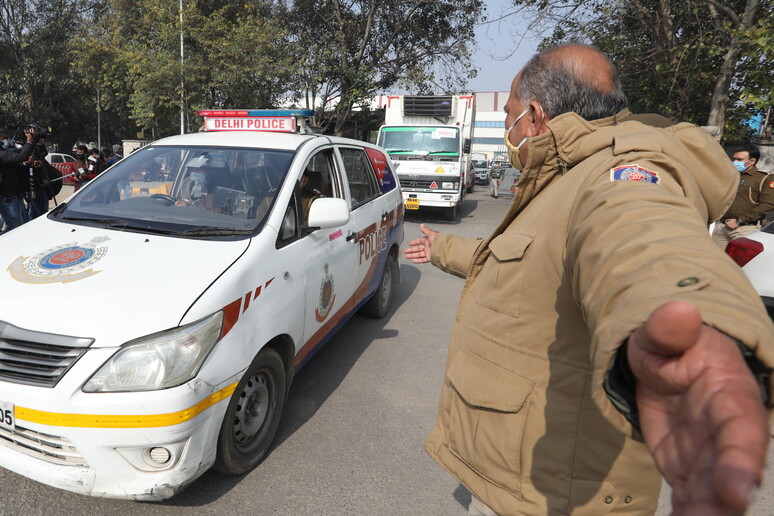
[35, 358]
[50, 448]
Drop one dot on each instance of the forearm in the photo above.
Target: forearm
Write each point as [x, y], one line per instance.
[453, 254]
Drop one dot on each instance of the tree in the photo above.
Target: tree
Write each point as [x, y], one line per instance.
[687, 59]
[352, 49]
[235, 55]
[36, 79]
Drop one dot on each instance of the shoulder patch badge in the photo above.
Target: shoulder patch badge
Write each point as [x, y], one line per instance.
[633, 172]
[771, 184]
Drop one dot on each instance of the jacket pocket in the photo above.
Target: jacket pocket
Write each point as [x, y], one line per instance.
[500, 282]
[487, 418]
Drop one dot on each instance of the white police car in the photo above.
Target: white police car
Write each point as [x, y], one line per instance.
[150, 326]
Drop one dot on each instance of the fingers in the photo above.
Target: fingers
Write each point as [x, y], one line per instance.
[417, 251]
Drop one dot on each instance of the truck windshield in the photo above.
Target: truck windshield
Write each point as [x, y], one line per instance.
[172, 190]
[422, 141]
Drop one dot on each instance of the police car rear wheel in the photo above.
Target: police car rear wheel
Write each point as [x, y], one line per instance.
[379, 304]
[253, 415]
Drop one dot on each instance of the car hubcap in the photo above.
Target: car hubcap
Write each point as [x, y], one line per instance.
[253, 409]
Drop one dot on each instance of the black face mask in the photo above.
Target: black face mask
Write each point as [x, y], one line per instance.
[80, 156]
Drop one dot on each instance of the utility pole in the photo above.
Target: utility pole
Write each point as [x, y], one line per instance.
[99, 127]
[182, 77]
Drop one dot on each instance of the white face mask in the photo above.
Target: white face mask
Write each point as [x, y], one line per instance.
[513, 150]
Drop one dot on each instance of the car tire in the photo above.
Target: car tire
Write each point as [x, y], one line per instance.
[450, 213]
[472, 187]
[253, 415]
[379, 304]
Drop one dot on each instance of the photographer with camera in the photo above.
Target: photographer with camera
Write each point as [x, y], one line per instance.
[37, 173]
[11, 186]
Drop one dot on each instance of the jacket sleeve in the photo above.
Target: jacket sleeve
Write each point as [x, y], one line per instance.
[765, 200]
[634, 246]
[16, 157]
[453, 254]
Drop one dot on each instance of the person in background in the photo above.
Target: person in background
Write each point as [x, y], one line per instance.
[495, 177]
[11, 198]
[754, 198]
[602, 337]
[81, 166]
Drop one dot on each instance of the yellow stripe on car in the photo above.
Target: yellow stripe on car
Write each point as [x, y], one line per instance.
[123, 421]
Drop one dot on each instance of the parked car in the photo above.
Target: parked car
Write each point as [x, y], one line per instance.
[193, 298]
[64, 162]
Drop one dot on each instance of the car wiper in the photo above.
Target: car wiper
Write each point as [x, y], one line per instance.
[214, 231]
[450, 153]
[401, 150]
[106, 222]
[124, 224]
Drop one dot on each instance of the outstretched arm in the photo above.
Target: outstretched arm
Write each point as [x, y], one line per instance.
[700, 411]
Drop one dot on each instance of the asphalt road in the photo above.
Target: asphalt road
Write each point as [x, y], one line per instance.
[351, 438]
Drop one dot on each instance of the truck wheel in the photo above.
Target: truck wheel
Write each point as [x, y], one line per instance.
[253, 415]
[379, 304]
[450, 213]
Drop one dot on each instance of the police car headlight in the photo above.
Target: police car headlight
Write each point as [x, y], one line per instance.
[163, 360]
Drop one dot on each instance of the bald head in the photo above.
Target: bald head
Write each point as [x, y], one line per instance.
[571, 78]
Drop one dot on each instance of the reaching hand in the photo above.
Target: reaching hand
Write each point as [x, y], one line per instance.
[419, 249]
[700, 411]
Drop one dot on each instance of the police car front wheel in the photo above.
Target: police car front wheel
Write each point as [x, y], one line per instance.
[253, 415]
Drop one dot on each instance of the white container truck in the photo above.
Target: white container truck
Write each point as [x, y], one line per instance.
[428, 139]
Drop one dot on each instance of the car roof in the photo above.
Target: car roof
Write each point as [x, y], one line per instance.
[257, 139]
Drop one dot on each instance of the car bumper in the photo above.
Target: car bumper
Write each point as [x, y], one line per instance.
[104, 461]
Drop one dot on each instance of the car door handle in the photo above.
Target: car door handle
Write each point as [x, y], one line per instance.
[385, 215]
[351, 236]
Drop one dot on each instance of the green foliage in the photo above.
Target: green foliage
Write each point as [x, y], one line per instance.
[669, 53]
[351, 50]
[72, 62]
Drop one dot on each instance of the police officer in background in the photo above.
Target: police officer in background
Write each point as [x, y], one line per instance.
[12, 208]
[754, 198]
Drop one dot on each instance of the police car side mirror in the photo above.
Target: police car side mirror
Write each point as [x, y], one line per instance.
[466, 145]
[328, 212]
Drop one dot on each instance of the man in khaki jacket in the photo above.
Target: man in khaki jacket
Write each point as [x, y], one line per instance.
[754, 198]
[601, 336]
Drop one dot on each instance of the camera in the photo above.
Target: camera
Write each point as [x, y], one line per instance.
[42, 130]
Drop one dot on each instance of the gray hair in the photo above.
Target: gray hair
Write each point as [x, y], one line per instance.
[561, 85]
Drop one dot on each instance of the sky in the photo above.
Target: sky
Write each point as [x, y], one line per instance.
[501, 50]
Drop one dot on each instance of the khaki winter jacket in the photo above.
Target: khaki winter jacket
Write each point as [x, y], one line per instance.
[581, 260]
[754, 197]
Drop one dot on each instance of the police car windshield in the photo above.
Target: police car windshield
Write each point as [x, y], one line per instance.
[177, 189]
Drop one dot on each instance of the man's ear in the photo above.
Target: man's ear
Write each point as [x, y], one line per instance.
[538, 120]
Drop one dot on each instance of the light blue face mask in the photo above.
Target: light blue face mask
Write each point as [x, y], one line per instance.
[740, 166]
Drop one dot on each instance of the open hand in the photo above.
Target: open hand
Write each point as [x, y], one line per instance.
[700, 411]
[419, 249]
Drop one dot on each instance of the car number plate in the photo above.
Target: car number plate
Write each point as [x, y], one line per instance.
[412, 203]
[7, 419]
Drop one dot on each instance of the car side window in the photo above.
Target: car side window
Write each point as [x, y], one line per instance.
[363, 184]
[319, 180]
[289, 229]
